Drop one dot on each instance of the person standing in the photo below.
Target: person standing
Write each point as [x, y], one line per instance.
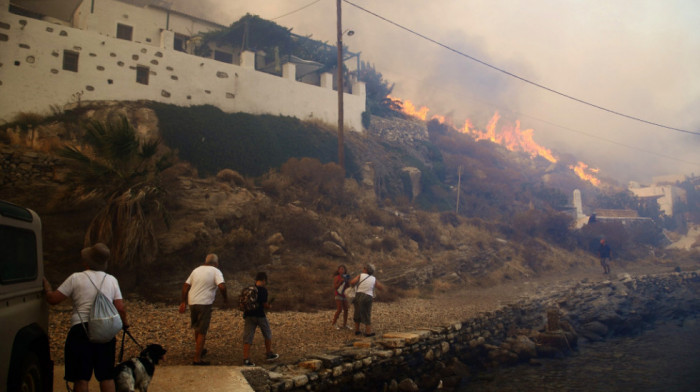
[199, 291]
[366, 283]
[83, 357]
[340, 283]
[604, 253]
[257, 318]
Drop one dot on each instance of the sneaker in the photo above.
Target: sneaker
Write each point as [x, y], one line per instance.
[348, 327]
[369, 335]
[247, 362]
[272, 356]
[336, 327]
[358, 333]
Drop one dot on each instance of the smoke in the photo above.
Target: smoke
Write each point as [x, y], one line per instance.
[637, 58]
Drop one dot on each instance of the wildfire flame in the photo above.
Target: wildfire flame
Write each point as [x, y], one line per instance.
[580, 170]
[509, 136]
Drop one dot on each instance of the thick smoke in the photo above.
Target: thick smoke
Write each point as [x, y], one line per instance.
[639, 59]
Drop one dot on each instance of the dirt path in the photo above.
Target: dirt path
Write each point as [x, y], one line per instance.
[296, 335]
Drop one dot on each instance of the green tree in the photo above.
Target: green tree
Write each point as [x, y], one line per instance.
[378, 90]
[116, 167]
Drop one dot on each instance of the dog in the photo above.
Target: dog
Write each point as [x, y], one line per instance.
[137, 373]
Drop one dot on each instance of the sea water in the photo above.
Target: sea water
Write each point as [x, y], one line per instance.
[664, 358]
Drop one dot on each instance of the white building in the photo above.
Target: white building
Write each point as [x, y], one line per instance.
[54, 53]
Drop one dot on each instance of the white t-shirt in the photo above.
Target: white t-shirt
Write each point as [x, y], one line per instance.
[79, 289]
[366, 284]
[204, 281]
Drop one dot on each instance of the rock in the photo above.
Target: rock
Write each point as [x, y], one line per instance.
[408, 385]
[333, 249]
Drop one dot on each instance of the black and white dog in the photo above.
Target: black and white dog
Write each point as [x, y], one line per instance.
[136, 373]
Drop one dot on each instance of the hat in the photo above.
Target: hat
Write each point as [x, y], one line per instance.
[96, 256]
[370, 268]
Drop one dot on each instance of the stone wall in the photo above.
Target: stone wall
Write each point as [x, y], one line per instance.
[23, 167]
[443, 357]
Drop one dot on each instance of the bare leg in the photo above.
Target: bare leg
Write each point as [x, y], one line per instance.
[81, 386]
[246, 351]
[107, 386]
[199, 345]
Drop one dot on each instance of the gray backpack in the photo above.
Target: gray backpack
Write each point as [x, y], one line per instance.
[104, 322]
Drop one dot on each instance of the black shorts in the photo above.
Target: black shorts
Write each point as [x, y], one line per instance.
[200, 316]
[82, 357]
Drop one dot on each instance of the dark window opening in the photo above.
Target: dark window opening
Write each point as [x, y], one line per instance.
[70, 60]
[223, 57]
[142, 74]
[18, 259]
[124, 31]
[180, 43]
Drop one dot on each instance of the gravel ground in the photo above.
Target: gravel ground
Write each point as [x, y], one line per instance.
[296, 335]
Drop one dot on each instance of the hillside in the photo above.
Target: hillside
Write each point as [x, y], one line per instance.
[263, 193]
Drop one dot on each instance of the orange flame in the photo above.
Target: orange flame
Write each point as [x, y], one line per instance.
[580, 170]
[509, 136]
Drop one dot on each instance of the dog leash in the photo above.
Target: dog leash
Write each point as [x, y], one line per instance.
[121, 350]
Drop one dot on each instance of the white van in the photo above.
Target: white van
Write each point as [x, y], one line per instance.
[25, 355]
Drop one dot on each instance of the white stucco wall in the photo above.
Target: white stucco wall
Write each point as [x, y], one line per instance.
[666, 196]
[32, 78]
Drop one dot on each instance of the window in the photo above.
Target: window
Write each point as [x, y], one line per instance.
[70, 60]
[223, 56]
[142, 74]
[18, 259]
[180, 42]
[124, 31]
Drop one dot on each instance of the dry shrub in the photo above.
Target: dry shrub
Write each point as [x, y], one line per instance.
[449, 218]
[378, 217]
[301, 228]
[230, 176]
[389, 243]
[415, 233]
[240, 238]
[275, 184]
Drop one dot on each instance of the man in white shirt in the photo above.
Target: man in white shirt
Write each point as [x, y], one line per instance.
[200, 291]
[83, 357]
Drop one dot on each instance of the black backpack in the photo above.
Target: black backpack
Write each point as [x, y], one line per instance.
[248, 299]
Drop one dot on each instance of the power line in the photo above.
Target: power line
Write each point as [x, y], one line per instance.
[517, 76]
[296, 10]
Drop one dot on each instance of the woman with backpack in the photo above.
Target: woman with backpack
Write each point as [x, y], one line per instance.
[340, 283]
[364, 284]
[82, 356]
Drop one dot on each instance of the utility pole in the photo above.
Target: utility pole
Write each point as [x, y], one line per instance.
[459, 186]
[341, 150]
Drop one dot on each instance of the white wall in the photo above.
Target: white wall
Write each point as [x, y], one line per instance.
[32, 78]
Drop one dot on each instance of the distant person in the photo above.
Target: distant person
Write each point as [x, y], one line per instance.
[199, 291]
[82, 357]
[604, 253]
[257, 318]
[365, 284]
[340, 284]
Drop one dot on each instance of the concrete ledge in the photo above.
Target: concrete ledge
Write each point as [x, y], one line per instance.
[181, 378]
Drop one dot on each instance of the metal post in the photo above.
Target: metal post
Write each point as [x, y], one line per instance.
[341, 151]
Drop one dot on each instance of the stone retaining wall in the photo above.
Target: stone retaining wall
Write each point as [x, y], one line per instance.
[445, 357]
[23, 166]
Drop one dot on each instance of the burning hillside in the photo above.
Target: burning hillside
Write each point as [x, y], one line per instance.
[509, 136]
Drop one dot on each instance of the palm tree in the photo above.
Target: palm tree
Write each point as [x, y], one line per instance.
[114, 165]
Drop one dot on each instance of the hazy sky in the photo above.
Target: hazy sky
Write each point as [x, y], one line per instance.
[637, 57]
